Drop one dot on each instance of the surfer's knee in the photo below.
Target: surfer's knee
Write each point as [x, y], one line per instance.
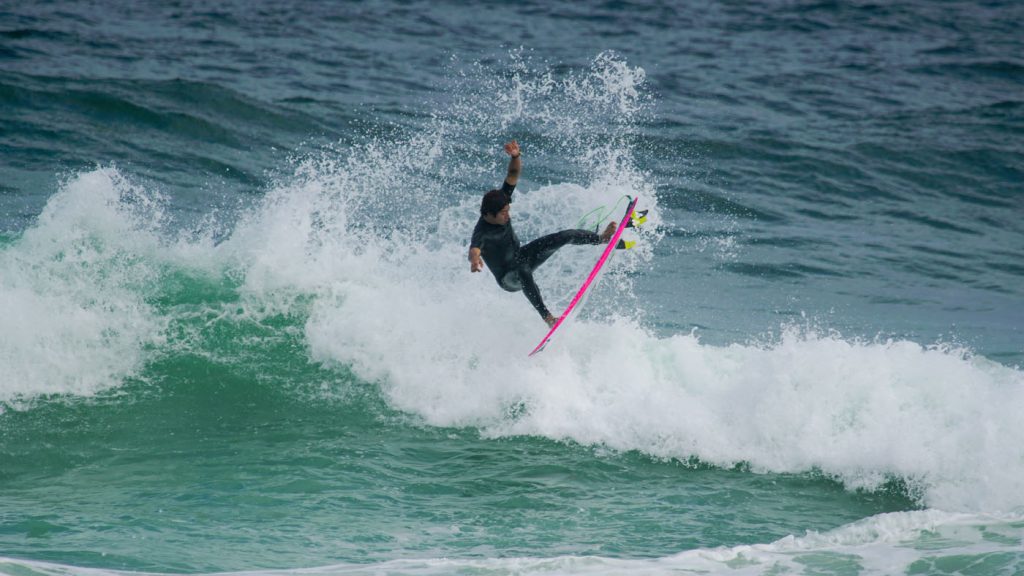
[511, 282]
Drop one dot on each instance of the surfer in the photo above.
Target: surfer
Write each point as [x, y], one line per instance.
[495, 243]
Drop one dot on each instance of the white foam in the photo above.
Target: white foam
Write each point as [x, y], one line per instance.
[71, 291]
[945, 423]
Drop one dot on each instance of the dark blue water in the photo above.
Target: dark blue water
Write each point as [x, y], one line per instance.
[238, 331]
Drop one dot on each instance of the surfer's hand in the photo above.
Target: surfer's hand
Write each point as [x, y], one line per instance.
[512, 149]
[476, 263]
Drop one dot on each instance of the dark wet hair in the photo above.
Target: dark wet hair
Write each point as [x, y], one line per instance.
[493, 202]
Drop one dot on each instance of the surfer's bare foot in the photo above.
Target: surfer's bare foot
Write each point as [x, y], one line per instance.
[550, 320]
[608, 232]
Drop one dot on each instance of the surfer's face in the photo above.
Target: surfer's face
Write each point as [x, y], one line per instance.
[501, 218]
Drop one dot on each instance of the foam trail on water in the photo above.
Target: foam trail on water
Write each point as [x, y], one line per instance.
[896, 543]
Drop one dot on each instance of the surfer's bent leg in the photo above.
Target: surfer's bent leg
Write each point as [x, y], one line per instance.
[537, 252]
[521, 278]
[532, 292]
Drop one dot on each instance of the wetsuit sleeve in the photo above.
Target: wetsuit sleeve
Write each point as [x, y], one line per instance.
[478, 235]
[508, 189]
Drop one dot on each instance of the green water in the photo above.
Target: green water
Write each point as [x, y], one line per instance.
[234, 451]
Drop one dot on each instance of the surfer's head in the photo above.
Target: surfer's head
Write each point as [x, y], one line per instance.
[494, 207]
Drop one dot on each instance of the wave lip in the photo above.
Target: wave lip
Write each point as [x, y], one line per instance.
[72, 292]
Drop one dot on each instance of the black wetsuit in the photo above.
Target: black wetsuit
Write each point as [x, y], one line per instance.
[513, 265]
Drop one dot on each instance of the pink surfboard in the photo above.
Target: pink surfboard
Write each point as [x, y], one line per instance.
[590, 277]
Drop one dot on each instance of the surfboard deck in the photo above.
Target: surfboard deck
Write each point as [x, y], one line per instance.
[590, 277]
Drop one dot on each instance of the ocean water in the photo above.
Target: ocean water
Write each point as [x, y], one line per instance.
[238, 332]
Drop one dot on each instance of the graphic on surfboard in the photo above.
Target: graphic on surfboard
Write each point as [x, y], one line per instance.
[590, 277]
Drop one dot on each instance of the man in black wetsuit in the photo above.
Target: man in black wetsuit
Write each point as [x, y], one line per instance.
[496, 242]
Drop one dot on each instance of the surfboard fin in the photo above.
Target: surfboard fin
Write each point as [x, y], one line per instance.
[639, 219]
[625, 244]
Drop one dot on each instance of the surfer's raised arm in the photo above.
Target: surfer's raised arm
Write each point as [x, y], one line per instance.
[494, 208]
[515, 165]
